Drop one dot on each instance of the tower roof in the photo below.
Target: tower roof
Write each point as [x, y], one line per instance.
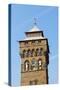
[34, 33]
[34, 29]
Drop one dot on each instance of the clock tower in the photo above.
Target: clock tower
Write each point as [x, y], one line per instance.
[34, 53]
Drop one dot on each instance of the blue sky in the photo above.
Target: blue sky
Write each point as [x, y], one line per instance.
[22, 19]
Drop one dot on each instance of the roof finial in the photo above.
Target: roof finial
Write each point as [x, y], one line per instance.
[35, 21]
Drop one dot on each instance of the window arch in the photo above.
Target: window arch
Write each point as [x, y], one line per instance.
[34, 64]
[24, 53]
[33, 61]
[37, 52]
[32, 52]
[29, 52]
[39, 64]
[26, 65]
[40, 51]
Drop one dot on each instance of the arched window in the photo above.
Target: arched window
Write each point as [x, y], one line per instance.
[33, 64]
[24, 53]
[26, 65]
[32, 52]
[40, 51]
[39, 64]
[29, 52]
[37, 52]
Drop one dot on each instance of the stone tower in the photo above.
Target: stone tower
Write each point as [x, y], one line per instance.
[34, 53]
